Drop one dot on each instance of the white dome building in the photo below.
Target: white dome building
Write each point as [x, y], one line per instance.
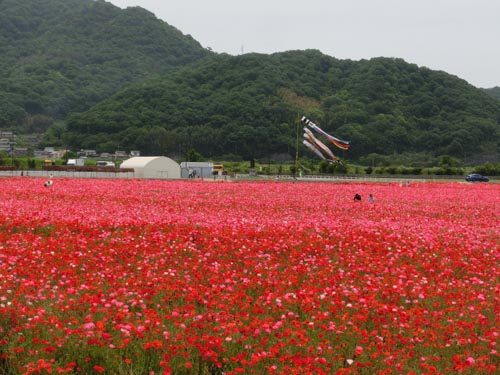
[153, 167]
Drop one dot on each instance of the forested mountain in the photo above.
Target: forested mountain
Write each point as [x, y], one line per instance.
[495, 92]
[61, 56]
[104, 78]
[248, 105]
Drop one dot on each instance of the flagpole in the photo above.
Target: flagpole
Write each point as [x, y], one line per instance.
[296, 147]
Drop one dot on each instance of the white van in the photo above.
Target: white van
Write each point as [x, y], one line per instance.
[76, 162]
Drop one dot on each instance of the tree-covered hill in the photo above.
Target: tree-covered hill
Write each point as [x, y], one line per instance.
[100, 77]
[248, 105]
[495, 92]
[61, 56]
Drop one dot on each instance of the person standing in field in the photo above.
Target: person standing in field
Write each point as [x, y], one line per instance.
[49, 182]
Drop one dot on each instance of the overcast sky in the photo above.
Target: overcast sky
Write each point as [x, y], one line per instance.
[461, 37]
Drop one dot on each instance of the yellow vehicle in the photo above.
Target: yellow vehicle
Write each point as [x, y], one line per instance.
[218, 170]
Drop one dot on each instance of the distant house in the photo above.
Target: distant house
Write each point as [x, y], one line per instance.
[32, 140]
[49, 153]
[5, 144]
[153, 167]
[120, 155]
[19, 151]
[87, 153]
[42, 154]
[8, 135]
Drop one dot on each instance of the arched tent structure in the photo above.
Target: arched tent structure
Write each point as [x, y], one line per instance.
[153, 167]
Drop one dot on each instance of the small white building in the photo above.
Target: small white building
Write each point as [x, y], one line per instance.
[153, 167]
[192, 169]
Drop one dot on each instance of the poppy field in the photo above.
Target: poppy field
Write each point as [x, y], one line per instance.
[211, 278]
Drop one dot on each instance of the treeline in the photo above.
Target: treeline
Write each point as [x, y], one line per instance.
[249, 106]
[62, 56]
